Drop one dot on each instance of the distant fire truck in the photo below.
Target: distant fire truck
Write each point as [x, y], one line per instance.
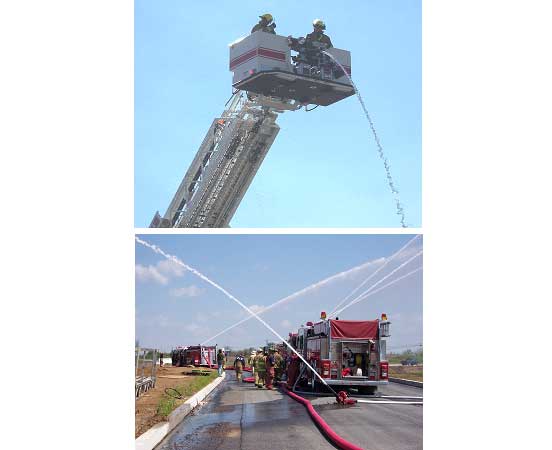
[195, 355]
[346, 353]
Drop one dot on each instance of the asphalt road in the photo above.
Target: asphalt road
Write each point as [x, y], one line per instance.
[238, 416]
[378, 427]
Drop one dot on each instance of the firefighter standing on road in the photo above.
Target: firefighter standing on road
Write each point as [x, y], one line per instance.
[260, 369]
[239, 364]
[270, 362]
[278, 366]
[266, 24]
[292, 371]
[255, 366]
[251, 362]
[221, 360]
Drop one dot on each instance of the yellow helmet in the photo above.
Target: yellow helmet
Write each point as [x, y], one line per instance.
[319, 23]
[267, 17]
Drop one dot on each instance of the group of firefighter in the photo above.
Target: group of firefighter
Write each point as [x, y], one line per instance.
[268, 366]
[267, 25]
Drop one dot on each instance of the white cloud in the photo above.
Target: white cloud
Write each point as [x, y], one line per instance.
[159, 273]
[169, 267]
[150, 273]
[188, 291]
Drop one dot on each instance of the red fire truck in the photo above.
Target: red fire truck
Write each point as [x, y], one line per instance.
[196, 355]
[346, 353]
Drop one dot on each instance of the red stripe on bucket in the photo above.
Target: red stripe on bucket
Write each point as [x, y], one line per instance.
[263, 52]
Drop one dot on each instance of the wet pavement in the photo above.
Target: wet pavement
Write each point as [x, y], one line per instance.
[238, 416]
[379, 427]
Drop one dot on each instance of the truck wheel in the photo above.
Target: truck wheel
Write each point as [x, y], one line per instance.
[367, 390]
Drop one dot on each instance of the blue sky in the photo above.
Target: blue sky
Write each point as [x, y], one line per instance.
[175, 307]
[323, 169]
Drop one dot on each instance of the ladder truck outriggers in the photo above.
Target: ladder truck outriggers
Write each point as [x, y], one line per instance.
[267, 80]
[346, 353]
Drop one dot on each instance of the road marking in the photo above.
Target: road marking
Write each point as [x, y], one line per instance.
[388, 402]
[398, 396]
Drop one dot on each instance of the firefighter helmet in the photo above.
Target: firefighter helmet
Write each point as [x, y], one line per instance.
[267, 17]
[319, 23]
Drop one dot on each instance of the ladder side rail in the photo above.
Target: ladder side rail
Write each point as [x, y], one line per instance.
[207, 208]
[215, 204]
[182, 191]
[216, 183]
[227, 193]
[246, 168]
[216, 171]
[210, 173]
[237, 190]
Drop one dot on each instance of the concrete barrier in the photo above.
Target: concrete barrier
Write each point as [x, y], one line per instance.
[157, 433]
[419, 384]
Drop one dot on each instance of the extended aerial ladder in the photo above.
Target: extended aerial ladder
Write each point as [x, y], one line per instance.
[267, 81]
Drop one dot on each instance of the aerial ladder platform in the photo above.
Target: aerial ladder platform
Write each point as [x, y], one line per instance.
[267, 81]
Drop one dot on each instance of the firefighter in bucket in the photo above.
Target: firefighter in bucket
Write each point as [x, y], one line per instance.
[266, 24]
[318, 35]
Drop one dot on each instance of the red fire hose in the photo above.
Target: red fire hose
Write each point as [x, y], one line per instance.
[245, 369]
[331, 434]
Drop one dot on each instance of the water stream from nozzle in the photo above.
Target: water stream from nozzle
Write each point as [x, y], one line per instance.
[390, 182]
[385, 263]
[173, 258]
[294, 296]
[365, 295]
[317, 285]
[352, 302]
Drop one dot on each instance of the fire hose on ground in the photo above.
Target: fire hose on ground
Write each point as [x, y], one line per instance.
[245, 369]
[321, 423]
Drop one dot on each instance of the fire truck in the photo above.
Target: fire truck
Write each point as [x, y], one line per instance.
[267, 81]
[346, 353]
[196, 355]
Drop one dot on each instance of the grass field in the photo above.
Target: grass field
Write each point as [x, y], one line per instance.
[167, 404]
[155, 405]
[396, 358]
[414, 373]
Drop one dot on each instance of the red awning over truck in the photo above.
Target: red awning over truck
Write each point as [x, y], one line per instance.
[354, 329]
